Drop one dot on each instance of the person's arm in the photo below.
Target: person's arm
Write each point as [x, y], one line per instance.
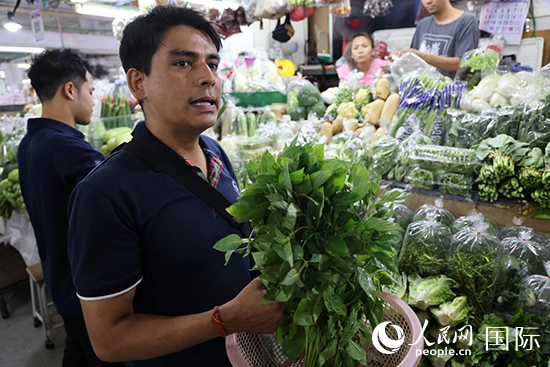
[106, 264]
[73, 159]
[117, 334]
[450, 64]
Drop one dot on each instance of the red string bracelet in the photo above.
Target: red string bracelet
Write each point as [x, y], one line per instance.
[216, 319]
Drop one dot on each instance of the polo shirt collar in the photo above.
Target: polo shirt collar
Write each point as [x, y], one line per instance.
[44, 123]
[142, 132]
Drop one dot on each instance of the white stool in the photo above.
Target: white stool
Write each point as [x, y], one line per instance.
[40, 312]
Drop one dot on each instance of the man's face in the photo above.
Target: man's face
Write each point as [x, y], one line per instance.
[84, 102]
[183, 89]
[434, 6]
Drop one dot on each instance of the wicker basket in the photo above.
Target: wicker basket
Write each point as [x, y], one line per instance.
[246, 350]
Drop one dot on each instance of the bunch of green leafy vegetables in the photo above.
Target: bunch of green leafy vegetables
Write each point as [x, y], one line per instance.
[506, 354]
[384, 153]
[474, 262]
[422, 179]
[425, 248]
[438, 159]
[435, 212]
[455, 184]
[534, 128]
[320, 248]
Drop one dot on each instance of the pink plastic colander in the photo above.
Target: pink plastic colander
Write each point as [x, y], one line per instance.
[246, 350]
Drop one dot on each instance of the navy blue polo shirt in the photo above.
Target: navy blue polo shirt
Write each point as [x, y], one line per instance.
[132, 225]
[52, 158]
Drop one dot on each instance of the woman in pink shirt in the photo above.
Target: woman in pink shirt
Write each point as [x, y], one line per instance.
[359, 55]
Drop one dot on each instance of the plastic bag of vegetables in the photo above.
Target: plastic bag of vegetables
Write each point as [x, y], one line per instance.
[474, 262]
[425, 247]
[476, 64]
[535, 295]
[401, 214]
[517, 228]
[534, 128]
[384, 152]
[470, 220]
[435, 211]
[526, 256]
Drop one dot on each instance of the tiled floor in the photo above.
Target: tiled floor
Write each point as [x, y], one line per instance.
[21, 344]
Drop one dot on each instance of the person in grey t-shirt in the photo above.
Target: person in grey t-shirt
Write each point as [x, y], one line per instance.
[442, 38]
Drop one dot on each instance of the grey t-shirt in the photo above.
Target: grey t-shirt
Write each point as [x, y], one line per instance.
[450, 40]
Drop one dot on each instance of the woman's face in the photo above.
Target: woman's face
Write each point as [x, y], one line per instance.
[361, 49]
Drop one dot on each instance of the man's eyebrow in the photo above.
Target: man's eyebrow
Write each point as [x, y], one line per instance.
[179, 52]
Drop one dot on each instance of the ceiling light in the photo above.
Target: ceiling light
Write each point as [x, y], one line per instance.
[79, 1]
[26, 81]
[21, 50]
[23, 66]
[2, 74]
[105, 11]
[12, 25]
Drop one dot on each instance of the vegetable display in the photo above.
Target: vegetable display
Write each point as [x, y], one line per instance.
[10, 194]
[319, 248]
[114, 137]
[435, 212]
[430, 291]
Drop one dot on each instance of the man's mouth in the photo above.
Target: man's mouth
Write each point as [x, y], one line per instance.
[204, 101]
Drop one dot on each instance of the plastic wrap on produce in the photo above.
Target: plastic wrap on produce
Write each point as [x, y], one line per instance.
[526, 256]
[517, 228]
[406, 64]
[474, 262]
[401, 214]
[425, 247]
[435, 211]
[475, 64]
[535, 295]
[384, 152]
[444, 159]
[471, 220]
[261, 76]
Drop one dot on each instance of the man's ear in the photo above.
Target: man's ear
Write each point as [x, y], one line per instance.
[136, 83]
[69, 91]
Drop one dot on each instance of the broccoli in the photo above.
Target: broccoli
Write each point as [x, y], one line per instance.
[318, 109]
[308, 96]
[297, 113]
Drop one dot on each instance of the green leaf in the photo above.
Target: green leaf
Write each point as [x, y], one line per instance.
[319, 178]
[356, 352]
[291, 277]
[289, 256]
[345, 198]
[294, 347]
[286, 179]
[366, 283]
[297, 176]
[328, 353]
[277, 202]
[283, 296]
[290, 218]
[380, 225]
[229, 243]
[268, 164]
[336, 246]
[303, 315]
[334, 303]
[360, 180]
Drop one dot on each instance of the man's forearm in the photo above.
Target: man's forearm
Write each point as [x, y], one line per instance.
[140, 336]
[450, 64]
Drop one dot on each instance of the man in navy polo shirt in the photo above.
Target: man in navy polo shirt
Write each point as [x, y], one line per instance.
[140, 244]
[53, 157]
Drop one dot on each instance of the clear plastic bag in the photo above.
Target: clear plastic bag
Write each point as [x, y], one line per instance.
[400, 213]
[470, 220]
[517, 228]
[524, 257]
[474, 262]
[384, 153]
[342, 9]
[425, 248]
[21, 237]
[455, 183]
[535, 295]
[445, 159]
[406, 64]
[439, 213]
[475, 64]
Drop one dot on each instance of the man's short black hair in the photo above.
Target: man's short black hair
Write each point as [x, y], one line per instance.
[143, 36]
[53, 68]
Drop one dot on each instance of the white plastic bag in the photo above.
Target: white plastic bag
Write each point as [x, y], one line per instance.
[21, 237]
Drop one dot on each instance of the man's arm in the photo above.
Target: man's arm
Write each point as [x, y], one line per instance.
[117, 334]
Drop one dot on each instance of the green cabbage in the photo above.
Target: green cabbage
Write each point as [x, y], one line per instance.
[452, 313]
[431, 291]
